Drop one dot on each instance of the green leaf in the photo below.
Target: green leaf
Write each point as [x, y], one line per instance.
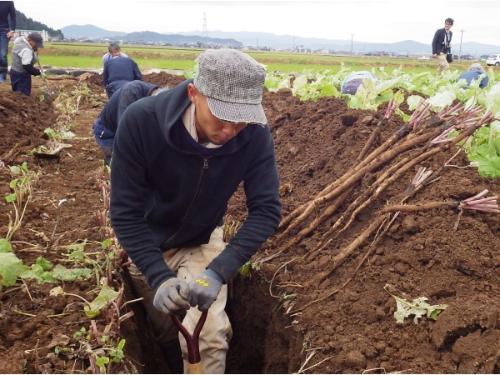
[414, 101]
[36, 272]
[71, 274]
[15, 170]
[45, 264]
[418, 307]
[13, 183]
[10, 268]
[5, 246]
[117, 354]
[10, 198]
[105, 297]
[106, 243]
[101, 361]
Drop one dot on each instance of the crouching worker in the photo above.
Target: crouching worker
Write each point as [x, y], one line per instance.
[353, 81]
[475, 72]
[178, 157]
[23, 60]
[105, 125]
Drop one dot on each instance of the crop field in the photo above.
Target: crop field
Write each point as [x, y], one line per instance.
[386, 259]
[147, 57]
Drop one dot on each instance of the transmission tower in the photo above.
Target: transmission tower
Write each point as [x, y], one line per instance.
[204, 27]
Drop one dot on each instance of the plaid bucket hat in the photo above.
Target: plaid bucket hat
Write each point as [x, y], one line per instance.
[233, 83]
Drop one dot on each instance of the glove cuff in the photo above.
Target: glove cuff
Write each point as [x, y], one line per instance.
[214, 275]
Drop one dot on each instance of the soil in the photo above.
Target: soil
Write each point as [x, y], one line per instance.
[352, 331]
[421, 255]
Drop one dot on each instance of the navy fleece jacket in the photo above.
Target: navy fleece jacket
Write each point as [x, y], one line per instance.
[121, 99]
[7, 10]
[168, 191]
[120, 69]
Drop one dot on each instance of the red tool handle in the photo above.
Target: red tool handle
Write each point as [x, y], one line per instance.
[192, 341]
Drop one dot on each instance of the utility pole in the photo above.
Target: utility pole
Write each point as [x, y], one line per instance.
[460, 49]
[204, 27]
[352, 43]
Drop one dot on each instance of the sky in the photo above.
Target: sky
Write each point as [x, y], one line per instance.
[382, 21]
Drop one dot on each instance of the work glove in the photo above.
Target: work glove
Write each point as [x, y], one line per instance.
[204, 289]
[172, 296]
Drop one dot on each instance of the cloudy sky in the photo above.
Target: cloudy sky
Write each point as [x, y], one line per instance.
[369, 21]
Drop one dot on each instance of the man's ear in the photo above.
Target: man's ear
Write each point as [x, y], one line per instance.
[192, 92]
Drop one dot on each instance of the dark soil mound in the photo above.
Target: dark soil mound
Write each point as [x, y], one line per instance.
[163, 79]
[22, 121]
[421, 255]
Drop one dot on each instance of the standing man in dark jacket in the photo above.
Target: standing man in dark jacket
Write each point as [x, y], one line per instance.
[7, 29]
[177, 159]
[118, 71]
[106, 124]
[23, 60]
[441, 45]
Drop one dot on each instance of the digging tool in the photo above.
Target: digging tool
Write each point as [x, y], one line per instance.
[194, 366]
[47, 93]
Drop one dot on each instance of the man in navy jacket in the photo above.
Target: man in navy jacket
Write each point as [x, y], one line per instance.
[441, 44]
[106, 124]
[118, 71]
[177, 159]
[7, 28]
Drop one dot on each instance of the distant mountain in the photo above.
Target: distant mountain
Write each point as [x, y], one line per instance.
[178, 39]
[269, 40]
[25, 23]
[89, 32]
[275, 41]
[147, 37]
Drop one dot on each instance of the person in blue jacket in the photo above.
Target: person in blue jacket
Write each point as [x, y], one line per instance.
[353, 81]
[106, 124]
[178, 157]
[475, 72]
[118, 71]
[7, 29]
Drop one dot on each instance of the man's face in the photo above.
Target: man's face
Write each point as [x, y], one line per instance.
[209, 127]
[447, 26]
[32, 44]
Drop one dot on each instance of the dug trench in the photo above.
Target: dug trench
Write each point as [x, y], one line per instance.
[350, 331]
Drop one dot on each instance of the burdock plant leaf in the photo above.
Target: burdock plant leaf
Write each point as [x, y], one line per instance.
[105, 297]
[71, 274]
[5, 246]
[418, 307]
[10, 268]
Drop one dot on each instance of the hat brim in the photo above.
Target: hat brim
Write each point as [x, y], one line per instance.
[237, 112]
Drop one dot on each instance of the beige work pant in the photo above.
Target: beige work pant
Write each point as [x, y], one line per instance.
[217, 332]
[442, 63]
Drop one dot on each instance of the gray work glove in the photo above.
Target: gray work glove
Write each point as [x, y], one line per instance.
[204, 289]
[172, 296]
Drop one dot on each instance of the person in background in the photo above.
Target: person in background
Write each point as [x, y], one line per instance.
[178, 157]
[114, 50]
[441, 45]
[23, 60]
[354, 80]
[119, 70]
[475, 71]
[7, 29]
[106, 124]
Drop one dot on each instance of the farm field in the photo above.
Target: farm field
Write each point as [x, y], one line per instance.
[147, 57]
[376, 214]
